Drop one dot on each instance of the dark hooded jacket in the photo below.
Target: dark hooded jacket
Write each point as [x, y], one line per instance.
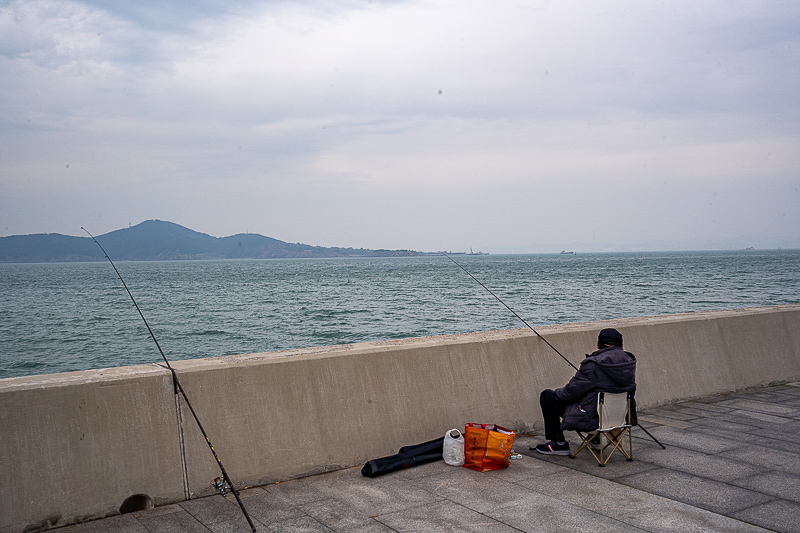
[609, 369]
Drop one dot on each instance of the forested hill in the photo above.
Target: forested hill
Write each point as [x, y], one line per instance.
[156, 240]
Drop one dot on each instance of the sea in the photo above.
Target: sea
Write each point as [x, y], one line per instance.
[61, 317]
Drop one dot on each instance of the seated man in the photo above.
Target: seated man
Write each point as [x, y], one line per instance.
[609, 369]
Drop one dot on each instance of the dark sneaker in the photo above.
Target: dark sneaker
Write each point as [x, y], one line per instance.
[553, 448]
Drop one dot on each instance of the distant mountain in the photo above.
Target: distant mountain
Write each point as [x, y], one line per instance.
[156, 240]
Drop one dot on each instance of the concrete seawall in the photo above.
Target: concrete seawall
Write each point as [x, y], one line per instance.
[77, 445]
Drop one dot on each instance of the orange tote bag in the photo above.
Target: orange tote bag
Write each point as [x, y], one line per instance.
[487, 446]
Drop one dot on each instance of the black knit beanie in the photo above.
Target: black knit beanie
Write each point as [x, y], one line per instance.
[610, 336]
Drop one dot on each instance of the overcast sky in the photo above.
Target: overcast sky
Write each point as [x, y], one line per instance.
[428, 125]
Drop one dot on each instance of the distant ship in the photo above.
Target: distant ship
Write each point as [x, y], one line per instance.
[563, 252]
[470, 253]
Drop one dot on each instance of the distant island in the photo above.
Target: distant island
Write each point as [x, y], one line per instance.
[157, 240]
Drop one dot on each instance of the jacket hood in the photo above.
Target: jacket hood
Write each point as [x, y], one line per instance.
[617, 364]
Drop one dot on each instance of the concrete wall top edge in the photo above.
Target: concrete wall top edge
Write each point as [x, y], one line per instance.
[115, 374]
[322, 352]
[376, 347]
[674, 317]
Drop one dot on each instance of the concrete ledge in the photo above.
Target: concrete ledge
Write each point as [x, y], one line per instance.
[77, 444]
[83, 442]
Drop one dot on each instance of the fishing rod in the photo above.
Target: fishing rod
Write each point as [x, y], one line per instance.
[507, 307]
[531, 328]
[177, 385]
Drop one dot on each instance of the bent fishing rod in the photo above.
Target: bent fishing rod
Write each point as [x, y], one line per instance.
[507, 307]
[177, 384]
[531, 328]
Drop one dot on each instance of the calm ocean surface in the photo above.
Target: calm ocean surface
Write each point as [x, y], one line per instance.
[75, 316]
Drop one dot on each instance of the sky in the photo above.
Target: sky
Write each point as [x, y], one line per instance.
[506, 126]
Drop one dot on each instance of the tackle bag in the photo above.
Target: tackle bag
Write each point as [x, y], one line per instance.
[453, 448]
[487, 447]
[407, 456]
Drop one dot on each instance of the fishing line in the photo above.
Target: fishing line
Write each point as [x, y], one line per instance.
[507, 307]
[177, 384]
[531, 328]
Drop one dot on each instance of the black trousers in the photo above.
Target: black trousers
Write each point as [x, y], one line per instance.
[552, 411]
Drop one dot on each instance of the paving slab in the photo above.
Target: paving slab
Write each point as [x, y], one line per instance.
[707, 466]
[780, 484]
[598, 495]
[761, 417]
[733, 426]
[694, 490]
[127, 523]
[373, 496]
[682, 518]
[479, 494]
[295, 491]
[176, 522]
[716, 402]
[218, 514]
[584, 461]
[683, 412]
[267, 507]
[752, 405]
[545, 513]
[444, 516]
[302, 524]
[701, 406]
[698, 441]
[338, 516]
[766, 457]
[777, 515]
[775, 440]
[666, 421]
[791, 428]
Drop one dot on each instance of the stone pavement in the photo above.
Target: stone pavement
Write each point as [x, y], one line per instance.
[732, 464]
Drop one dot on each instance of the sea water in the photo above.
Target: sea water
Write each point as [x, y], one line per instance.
[76, 316]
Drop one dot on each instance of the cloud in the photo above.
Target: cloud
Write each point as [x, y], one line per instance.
[401, 123]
